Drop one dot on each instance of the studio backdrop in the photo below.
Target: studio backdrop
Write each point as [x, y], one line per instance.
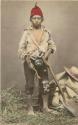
[61, 18]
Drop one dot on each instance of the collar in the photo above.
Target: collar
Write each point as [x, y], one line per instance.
[31, 28]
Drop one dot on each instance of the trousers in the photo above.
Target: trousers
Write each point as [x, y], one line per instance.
[29, 77]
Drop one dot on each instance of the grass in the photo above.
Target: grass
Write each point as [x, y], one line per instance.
[13, 111]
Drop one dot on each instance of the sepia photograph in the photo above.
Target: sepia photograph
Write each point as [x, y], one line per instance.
[39, 62]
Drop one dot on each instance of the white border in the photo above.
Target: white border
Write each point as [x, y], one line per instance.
[0, 51]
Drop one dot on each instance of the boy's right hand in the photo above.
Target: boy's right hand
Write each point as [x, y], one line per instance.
[28, 60]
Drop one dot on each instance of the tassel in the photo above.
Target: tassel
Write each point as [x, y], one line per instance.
[36, 4]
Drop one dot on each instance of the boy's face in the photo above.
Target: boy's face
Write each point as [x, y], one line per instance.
[36, 21]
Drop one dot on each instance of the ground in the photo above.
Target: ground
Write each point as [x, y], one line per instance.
[13, 112]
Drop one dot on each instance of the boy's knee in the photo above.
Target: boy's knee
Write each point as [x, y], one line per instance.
[45, 86]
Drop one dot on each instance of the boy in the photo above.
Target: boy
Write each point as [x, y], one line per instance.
[36, 43]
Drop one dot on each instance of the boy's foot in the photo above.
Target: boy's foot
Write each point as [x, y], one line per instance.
[31, 113]
[50, 110]
[47, 110]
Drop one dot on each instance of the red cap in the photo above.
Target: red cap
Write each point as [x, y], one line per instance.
[36, 11]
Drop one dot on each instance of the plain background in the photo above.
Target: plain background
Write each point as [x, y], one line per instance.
[61, 18]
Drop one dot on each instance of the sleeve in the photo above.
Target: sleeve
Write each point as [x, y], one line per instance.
[22, 46]
[51, 43]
